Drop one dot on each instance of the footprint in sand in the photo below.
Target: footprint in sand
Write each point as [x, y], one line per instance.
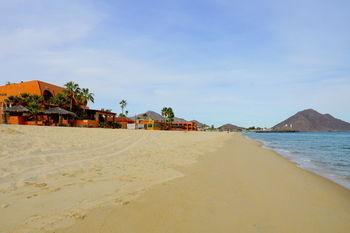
[4, 206]
[77, 215]
[40, 185]
[55, 189]
[68, 174]
[121, 202]
[126, 203]
[30, 196]
[36, 185]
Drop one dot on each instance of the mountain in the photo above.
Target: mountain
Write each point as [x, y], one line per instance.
[231, 128]
[310, 120]
[177, 119]
[156, 116]
[200, 125]
[150, 114]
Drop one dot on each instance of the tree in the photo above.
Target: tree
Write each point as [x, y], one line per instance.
[72, 91]
[168, 114]
[171, 114]
[85, 96]
[14, 100]
[61, 100]
[123, 105]
[23, 99]
[164, 113]
[34, 103]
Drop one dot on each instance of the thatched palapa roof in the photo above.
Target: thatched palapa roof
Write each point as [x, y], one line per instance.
[18, 108]
[59, 111]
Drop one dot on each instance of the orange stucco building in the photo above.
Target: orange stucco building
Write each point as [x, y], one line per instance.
[34, 87]
[187, 126]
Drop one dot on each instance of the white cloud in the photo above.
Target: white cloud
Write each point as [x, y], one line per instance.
[31, 27]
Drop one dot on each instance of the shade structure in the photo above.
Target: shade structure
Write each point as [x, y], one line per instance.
[17, 108]
[59, 111]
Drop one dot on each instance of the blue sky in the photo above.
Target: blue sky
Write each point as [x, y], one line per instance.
[225, 61]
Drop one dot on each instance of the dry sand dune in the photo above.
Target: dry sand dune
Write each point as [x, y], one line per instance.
[70, 180]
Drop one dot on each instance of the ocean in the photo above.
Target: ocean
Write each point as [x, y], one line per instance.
[325, 153]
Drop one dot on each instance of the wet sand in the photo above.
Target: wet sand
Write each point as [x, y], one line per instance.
[189, 182]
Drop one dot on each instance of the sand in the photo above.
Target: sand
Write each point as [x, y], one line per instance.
[50, 177]
[96, 180]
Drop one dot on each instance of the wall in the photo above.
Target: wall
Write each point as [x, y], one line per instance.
[30, 87]
[15, 120]
[86, 123]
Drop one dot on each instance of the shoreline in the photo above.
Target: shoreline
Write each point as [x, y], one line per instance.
[320, 171]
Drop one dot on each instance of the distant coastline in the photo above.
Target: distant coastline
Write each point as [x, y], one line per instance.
[275, 131]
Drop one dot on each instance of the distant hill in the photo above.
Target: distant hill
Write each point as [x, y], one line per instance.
[231, 128]
[310, 120]
[150, 115]
[158, 117]
[201, 125]
[177, 119]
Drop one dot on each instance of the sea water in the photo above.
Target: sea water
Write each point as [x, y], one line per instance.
[326, 153]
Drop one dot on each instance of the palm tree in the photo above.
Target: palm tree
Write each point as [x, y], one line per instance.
[72, 91]
[25, 96]
[85, 96]
[13, 100]
[60, 100]
[23, 99]
[168, 114]
[165, 113]
[171, 114]
[123, 104]
[34, 103]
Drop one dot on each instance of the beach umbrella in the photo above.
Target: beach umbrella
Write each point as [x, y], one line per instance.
[59, 111]
[17, 109]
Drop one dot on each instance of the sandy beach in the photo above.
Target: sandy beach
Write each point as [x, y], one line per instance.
[56, 179]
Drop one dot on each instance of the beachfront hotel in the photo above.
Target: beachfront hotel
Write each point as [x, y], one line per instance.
[53, 115]
[46, 90]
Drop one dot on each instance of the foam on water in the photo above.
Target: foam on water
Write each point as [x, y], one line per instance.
[326, 153]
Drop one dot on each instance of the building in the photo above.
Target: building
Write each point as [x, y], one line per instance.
[53, 115]
[124, 122]
[34, 87]
[184, 126]
[93, 118]
[148, 124]
[96, 118]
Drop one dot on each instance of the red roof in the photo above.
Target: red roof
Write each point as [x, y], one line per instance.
[124, 119]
